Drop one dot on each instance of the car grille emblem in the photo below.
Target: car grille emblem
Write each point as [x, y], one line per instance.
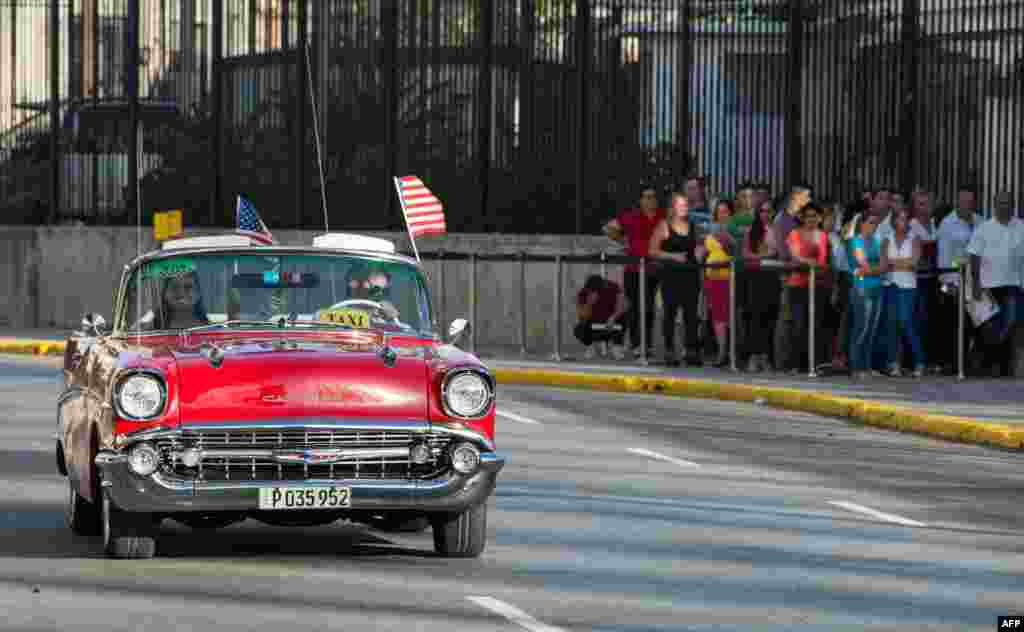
[309, 456]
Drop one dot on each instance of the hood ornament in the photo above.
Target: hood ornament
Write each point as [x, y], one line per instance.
[388, 355]
[213, 354]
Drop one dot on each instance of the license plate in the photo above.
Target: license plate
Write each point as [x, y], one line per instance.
[304, 497]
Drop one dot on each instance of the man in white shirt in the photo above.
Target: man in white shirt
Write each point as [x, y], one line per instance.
[954, 234]
[995, 250]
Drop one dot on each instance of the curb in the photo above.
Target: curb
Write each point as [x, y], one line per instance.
[31, 347]
[867, 412]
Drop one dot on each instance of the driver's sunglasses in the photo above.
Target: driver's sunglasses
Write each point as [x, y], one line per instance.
[378, 291]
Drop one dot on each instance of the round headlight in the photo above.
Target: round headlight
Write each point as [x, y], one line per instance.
[467, 394]
[143, 459]
[465, 458]
[140, 396]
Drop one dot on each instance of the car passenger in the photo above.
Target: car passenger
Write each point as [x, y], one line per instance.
[181, 303]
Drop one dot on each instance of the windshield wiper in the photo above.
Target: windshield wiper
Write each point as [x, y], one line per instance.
[227, 324]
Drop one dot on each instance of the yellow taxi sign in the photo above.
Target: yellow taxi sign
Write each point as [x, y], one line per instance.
[351, 317]
[167, 225]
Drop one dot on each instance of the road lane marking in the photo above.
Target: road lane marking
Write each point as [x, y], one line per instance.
[513, 614]
[867, 511]
[519, 418]
[661, 457]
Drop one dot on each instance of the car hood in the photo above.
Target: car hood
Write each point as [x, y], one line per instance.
[250, 381]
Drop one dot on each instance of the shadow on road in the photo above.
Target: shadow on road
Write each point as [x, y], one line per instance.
[38, 531]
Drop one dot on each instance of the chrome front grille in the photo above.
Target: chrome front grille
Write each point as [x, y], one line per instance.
[253, 454]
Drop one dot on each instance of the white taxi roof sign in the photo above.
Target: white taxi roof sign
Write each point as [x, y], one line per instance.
[208, 241]
[352, 241]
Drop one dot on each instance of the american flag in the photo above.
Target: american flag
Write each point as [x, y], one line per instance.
[424, 213]
[250, 224]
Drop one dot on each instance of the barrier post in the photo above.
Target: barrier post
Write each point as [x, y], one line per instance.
[440, 290]
[522, 303]
[732, 315]
[472, 303]
[643, 310]
[811, 316]
[557, 356]
[960, 324]
[604, 265]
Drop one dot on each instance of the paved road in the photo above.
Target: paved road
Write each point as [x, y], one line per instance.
[616, 512]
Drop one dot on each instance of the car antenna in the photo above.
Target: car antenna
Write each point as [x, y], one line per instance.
[316, 135]
[138, 231]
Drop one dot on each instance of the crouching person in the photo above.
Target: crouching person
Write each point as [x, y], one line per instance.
[601, 309]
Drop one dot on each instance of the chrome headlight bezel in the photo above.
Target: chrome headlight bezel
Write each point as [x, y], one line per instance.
[149, 374]
[484, 378]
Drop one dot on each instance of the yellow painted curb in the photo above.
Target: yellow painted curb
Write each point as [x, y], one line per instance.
[868, 412]
[31, 347]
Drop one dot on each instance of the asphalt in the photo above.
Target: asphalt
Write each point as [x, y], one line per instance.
[615, 512]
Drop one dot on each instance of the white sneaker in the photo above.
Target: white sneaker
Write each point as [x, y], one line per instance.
[618, 352]
[602, 348]
[590, 353]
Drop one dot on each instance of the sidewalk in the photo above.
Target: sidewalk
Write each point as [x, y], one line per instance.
[984, 411]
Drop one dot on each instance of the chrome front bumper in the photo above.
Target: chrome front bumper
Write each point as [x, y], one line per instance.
[159, 493]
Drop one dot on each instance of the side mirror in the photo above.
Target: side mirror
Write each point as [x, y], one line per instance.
[459, 328]
[93, 325]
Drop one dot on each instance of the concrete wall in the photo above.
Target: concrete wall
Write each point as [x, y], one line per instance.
[51, 276]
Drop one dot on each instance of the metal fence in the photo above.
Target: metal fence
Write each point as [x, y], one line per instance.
[531, 116]
[559, 261]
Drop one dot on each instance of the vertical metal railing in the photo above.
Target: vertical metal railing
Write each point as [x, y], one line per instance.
[441, 290]
[812, 316]
[472, 303]
[961, 304]
[732, 315]
[557, 355]
[643, 310]
[522, 304]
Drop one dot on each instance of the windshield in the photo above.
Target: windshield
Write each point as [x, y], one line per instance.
[192, 290]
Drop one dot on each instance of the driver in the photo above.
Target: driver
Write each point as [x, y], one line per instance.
[379, 290]
[181, 303]
[358, 284]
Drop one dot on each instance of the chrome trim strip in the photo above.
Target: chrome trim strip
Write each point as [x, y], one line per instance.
[321, 456]
[381, 425]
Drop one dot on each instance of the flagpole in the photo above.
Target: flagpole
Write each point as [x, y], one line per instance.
[405, 217]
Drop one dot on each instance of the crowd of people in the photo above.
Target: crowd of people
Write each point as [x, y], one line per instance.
[884, 270]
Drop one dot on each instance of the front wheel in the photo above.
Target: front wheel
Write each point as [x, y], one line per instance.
[80, 515]
[461, 535]
[126, 534]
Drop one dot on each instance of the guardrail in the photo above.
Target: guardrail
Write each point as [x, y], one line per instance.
[559, 260]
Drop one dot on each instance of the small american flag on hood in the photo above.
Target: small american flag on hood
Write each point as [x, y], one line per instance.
[424, 213]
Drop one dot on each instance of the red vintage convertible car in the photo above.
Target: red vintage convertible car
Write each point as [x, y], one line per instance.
[293, 385]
